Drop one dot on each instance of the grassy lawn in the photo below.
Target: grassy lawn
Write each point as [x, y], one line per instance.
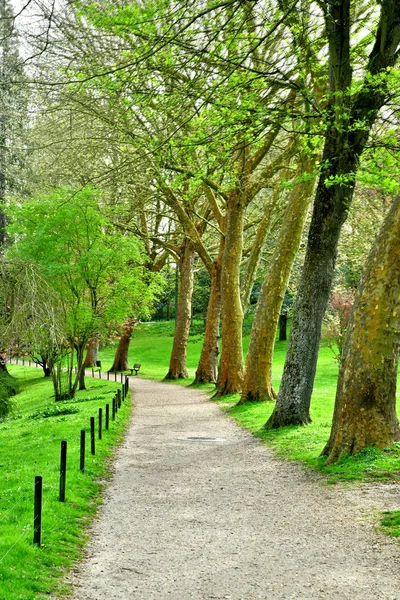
[30, 445]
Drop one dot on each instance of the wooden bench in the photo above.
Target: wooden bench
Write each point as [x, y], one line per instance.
[136, 368]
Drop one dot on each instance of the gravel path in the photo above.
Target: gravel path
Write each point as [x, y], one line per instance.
[225, 519]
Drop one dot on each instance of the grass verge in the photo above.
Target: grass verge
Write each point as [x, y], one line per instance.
[29, 446]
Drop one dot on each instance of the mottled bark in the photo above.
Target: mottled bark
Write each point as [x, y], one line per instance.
[365, 408]
[255, 254]
[121, 359]
[177, 365]
[258, 375]
[344, 142]
[92, 353]
[207, 367]
[230, 376]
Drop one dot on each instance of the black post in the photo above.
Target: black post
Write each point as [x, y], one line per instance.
[82, 463]
[100, 423]
[114, 408]
[92, 372]
[100, 373]
[107, 416]
[63, 469]
[119, 398]
[29, 362]
[108, 375]
[37, 515]
[122, 376]
[123, 392]
[92, 437]
[115, 375]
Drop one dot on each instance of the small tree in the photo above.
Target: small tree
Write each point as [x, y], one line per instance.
[95, 273]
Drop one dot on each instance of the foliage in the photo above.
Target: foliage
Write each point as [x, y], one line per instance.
[96, 276]
[390, 522]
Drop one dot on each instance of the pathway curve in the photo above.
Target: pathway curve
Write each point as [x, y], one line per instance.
[224, 519]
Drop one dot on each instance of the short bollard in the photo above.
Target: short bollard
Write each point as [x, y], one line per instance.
[100, 423]
[114, 402]
[99, 373]
[37, 514]
[119, 398]
[82, 457]
[108, 375]
[123, 392]
[63, 469]
[122, 376]
[92, 437]
[115, 375]
[92, 372]
[107, 416]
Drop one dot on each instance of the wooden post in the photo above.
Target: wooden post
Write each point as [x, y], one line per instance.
[114, 410]
[115, 375]
[82, 461]
[108, 375]
[100, 423]
[119, 398]
[92, 437]
[63, 469]
[37, 514]
[107, 416]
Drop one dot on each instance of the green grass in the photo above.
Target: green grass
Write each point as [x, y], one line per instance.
[30, 445]
[391, 523]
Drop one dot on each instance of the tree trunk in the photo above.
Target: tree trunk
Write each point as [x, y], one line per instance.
[207, 367]
[350, 120]
[121, 359]
[92, 353]
[177, 365]
[255, 254]
[230, 376]
[283, 319]
[365, 408]
[258, 375]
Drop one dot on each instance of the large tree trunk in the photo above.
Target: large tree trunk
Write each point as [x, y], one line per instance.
[92, 353]
[121, 359]
[351, 120]
[230, 376]
[207, 367]
[258, 375]
[177, 365]
[255, 254]
[365, 409]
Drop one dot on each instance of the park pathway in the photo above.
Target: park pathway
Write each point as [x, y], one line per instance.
[222, 518]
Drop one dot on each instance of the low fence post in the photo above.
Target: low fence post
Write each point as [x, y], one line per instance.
[92, 437]
[107, 416]
[82, 456]
[114, 402]
[63, 469]
[37, 514]
[100, 423]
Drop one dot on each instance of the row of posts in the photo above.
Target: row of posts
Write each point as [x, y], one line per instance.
[116, 405]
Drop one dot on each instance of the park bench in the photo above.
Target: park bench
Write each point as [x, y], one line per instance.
[136, 368]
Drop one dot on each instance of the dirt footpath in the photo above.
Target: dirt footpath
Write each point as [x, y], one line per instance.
[189, 517]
